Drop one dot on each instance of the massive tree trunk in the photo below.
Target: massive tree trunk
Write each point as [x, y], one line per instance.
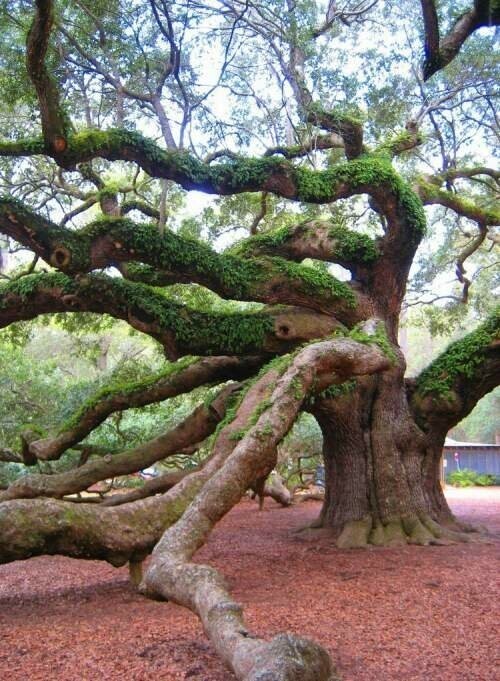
[381, 469]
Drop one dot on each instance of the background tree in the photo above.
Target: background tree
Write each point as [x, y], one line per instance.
[356, 163]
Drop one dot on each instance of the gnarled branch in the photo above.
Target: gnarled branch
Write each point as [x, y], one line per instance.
[450, 387]
[178, 328]
[201, 588]
[197, 426]
[172, 258]
[177, 379]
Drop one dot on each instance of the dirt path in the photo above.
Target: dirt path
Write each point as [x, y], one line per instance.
[426, 614]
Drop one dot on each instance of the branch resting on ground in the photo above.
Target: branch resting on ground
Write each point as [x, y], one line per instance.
[200, 587]
[267, 410]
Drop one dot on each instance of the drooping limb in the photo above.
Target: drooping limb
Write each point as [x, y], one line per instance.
[197, 426]
[117, 535]
[181, 377]
[265, 414]
[200, 587]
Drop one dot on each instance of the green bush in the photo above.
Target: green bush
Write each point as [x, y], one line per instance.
[469, 478]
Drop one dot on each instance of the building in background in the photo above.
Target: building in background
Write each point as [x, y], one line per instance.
[475, 456]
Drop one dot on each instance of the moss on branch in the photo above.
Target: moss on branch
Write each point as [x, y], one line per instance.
[318, 239]
[431, 194]
[181, 329]
[171, 258]
[461, 360]
[363, 174]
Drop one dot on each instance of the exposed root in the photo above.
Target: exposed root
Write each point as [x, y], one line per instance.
[355, 534]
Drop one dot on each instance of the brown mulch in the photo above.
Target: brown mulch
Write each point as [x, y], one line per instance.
[394, 614]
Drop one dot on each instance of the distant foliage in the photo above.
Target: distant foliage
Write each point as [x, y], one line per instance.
[469, 478]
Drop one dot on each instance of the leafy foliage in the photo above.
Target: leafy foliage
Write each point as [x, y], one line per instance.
[469, 478]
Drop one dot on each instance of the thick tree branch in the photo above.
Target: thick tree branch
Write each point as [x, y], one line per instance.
[439, 52]
[406, 140]
[181, 330]
[266, 411]
[317, 239]
[177, 379]
[450, 387]
[196, 427]
[369, 174]
[349, 128]
[430, 194]
[173, 259]
[89, 531]
[9, 456]
[158, 485]
[316, 143]
[201, 588]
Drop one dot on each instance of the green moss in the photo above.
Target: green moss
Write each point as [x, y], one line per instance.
[461, 359]
[125, 389]
[379, 337]
[296, 388]
[180, 166]
[336, 117]
[352, 246]
[108, 192]
[314, 281]
[27, 286]
[360, 173]
[265, 240]
[338, 390]
[201, 333]
[29, 146]
[399, 142]
[433, 194]
[49, 236]
[171, 252]
[236, 276]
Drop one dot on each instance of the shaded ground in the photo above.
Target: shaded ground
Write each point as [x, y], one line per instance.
[409, 614]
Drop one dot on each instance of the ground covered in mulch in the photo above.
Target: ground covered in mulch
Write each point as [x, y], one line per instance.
[394, 614]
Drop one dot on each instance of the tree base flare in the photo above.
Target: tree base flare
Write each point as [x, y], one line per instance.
[398, 531]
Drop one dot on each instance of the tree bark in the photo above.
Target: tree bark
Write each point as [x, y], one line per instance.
[381, 470]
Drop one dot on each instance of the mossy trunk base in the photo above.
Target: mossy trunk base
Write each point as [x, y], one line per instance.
[382, 483]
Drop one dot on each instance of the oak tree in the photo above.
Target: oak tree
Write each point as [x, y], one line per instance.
[324, 145]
